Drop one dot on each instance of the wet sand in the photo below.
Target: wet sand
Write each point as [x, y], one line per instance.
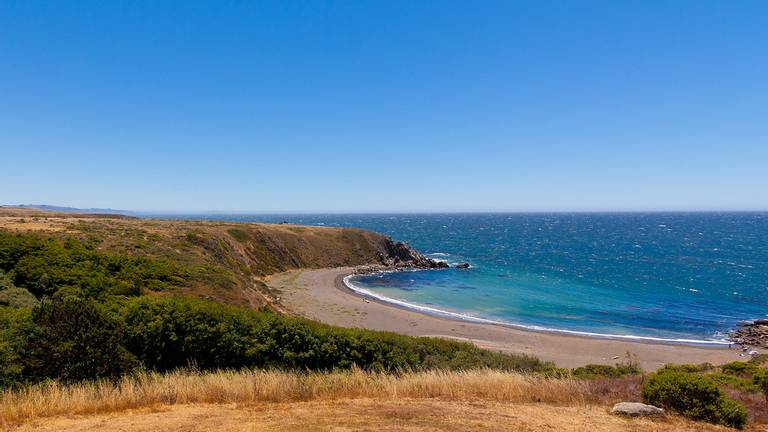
[321, 295]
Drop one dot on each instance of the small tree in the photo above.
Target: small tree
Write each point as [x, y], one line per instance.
[72, 339]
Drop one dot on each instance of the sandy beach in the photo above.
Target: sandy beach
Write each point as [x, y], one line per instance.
[321, 295]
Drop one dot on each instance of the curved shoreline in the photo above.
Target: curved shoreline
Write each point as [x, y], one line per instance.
[321, 295]
[346, 285]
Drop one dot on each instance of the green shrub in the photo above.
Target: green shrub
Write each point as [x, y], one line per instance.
[10, 345]
[5, 282]
[167, 333]
[44, 266]
[689, 368]
[174, 332]
[733, 381]
[694, 396]
[740, 369]
[72, 339]
[760, 380]
[17, 297]
[12, 296]
[14, 246]
[605, 371]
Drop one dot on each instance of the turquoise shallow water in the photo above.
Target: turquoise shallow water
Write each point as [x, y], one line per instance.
[661, 275]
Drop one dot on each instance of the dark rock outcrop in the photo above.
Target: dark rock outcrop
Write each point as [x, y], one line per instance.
[753, 334]
[401, 255]
[462, 266]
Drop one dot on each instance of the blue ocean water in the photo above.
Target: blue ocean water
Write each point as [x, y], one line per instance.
[683, 276]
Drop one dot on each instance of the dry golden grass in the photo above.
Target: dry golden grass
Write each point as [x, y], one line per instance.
[36, 224]
[271, 400]
[250, 387]
[363, 415]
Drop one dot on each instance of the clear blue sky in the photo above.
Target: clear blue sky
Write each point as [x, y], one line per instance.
[385, 106]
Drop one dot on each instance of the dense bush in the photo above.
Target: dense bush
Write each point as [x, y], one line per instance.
[73, 339]
[15, 246]
[44, 266]
[172, 332]
[5, 282]
[17, 297]
[10, 344]
[694, 396]
[760, 380]
[724, 380]
[740, 369]
[166, 333]
[10, 295]
[605, 371]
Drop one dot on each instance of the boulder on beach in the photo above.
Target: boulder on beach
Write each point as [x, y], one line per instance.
[637, 409]
[751, 334]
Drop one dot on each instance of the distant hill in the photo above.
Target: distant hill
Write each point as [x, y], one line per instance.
[72, 209]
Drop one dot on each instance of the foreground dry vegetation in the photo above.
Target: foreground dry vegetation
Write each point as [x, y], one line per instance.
[365, 415]
[272, 400]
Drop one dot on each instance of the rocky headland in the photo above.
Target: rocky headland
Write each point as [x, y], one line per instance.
[400, 256]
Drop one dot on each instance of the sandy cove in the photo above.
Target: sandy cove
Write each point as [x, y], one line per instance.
[321, 295]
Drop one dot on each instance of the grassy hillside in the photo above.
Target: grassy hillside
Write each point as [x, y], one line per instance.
[215, 260]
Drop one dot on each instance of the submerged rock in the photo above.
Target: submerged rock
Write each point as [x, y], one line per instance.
[462, 266]
[637, 409]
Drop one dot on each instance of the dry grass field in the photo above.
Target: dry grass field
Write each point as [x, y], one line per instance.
[355, 400]
[363, 415]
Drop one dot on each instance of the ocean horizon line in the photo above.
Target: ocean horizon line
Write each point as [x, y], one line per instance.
[151, 212]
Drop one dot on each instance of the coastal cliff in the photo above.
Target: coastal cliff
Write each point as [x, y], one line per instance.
[222, 261]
